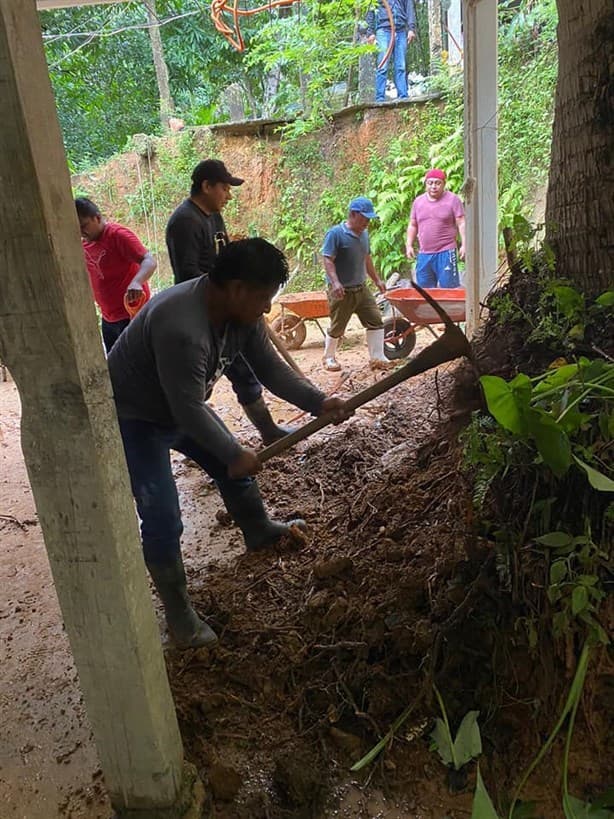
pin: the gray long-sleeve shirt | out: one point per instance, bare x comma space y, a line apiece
166, 361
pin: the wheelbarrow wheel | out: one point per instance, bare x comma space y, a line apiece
291, 329
399, 338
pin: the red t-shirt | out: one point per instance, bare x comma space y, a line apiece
112, 262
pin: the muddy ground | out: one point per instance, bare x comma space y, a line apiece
322, 646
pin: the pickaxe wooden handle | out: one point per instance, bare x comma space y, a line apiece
452, 344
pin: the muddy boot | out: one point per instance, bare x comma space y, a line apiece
260, 416
184, 625
375, 345
330, 351
247, 510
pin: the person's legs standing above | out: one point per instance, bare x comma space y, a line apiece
153, 486
426, 274
400, 68
241, 497
446, 267
382, 38
248, 390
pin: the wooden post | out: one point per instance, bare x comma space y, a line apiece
480, 188
50, 342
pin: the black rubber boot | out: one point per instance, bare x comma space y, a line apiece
184, 625
260, 416
247, 510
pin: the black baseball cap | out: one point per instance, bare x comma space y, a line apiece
214, 171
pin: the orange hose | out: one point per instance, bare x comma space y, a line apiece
393, 35
233, 35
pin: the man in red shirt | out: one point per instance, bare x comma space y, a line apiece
118, 266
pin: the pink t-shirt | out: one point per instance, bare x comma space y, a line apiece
436, 220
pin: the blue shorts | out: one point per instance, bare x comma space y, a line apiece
437, 269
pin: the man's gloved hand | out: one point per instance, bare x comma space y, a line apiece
245, 464
339, 409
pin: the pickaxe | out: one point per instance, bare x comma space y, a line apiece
451, 344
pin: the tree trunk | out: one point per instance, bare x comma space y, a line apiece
435, 35
580, 202
167, 106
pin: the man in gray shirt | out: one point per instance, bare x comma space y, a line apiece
163, 368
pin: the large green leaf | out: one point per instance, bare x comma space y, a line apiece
555, 540
466, 746
557, 377
596, 479
551, 441
468, 743
606, 299
503, 403
483, 807
569, 301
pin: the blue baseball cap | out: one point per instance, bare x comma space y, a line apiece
363, 206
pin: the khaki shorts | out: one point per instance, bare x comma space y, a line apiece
358, 300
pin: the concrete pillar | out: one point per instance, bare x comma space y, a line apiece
50, 341
480, 187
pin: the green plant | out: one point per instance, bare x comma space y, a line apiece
574, 590
550, 410
465, 746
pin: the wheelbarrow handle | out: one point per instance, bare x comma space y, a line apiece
452, 344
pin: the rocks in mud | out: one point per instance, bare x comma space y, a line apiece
396, 457
224, 781
298, 780
347, 742
333, 568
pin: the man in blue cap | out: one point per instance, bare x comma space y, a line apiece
347, 261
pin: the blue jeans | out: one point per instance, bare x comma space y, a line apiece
147, 447
437, 269
246, 386
397, 58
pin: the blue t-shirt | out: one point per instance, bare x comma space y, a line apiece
349, 252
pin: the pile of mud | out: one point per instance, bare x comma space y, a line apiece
321, 648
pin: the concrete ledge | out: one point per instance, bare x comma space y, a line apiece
262, 127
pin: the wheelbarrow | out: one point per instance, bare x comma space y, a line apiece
296, 309
408, 311
404, 310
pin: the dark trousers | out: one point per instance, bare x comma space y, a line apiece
147, 447
111, 331
246, 386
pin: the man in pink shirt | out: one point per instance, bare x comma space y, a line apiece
118, 266
437, 217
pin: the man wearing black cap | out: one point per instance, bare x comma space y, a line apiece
195, 234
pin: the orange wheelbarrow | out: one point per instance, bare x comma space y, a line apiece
296, 309
407, 312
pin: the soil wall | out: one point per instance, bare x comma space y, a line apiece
141, 187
